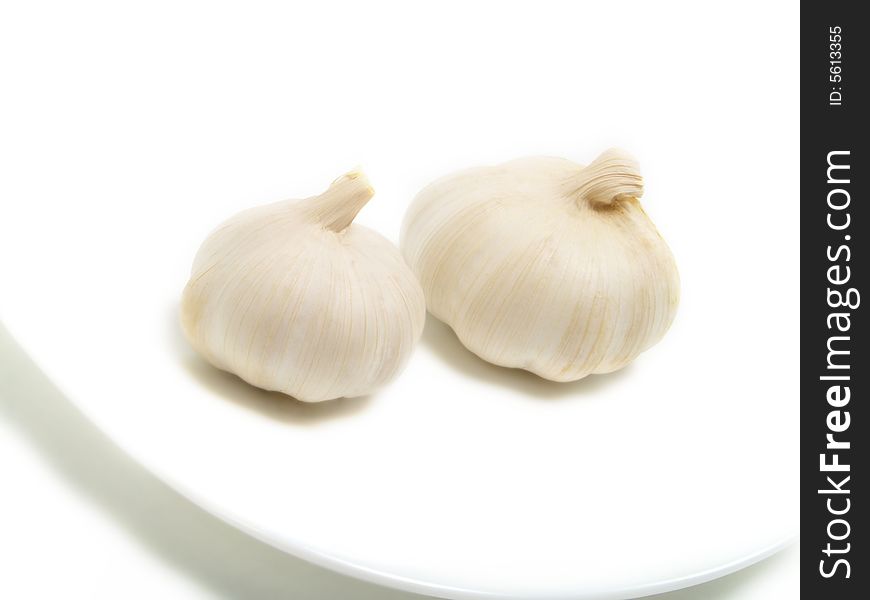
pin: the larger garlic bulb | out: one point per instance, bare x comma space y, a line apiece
292, 297
543, 264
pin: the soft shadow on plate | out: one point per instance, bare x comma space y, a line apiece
269, 404
440, 338
227, 562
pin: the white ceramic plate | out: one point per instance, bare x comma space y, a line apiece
461, 479
124, 145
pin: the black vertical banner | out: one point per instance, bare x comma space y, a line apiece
835, 370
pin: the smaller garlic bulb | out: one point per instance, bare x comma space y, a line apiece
292, 297
543, 264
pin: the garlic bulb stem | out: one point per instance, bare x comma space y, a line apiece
611, 177
337, 207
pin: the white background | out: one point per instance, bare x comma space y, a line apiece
214, 100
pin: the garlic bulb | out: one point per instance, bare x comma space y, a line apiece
292, 297
545, 265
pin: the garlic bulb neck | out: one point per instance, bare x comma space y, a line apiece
613, 176
337, 207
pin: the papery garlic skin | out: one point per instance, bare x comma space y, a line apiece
543, 264
292, 297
